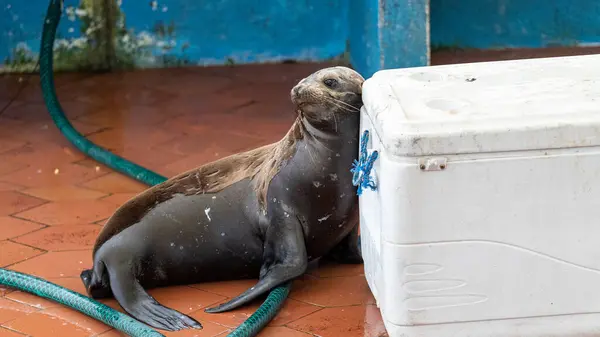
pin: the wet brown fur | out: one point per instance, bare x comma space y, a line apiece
260, 164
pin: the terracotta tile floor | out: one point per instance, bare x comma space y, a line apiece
53, 200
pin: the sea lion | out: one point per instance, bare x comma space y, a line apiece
264, 213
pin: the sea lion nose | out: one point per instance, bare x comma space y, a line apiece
296, 90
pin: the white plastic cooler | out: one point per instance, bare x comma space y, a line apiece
486, 216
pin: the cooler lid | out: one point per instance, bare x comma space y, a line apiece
544, 103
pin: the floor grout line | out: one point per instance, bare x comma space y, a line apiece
15, 214
8, 266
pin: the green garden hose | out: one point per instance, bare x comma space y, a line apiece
83, 304
31, 284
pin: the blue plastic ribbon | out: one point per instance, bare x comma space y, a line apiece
361, 168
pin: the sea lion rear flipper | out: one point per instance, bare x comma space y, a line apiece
285, 259
143, 307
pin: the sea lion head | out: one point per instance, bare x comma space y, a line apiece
328, 94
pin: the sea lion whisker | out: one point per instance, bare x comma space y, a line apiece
334, 120
311, 155
339, 106
346, 104
342, 107
212, 174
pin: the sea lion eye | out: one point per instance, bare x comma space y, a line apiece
330, 83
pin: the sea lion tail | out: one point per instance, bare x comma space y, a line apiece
96, 281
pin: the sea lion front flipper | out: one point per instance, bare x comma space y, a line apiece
284, 259
143, 307
348, 250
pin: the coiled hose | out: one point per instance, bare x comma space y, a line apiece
34, 285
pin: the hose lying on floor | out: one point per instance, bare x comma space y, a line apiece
31, 284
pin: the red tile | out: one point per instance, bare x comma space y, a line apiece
119, 138
198, 159
74, 109
43, 131
63, 193
213, 139
332, 292
112, 333
74, 212
226, 288
338, 270
41, 155
32, 91
9, 333
198, 105
355, 321
185, 299
10, 310
31, 300
150, 158
12, 202
209, 329
4, 290
124, 96
14, 252
12, 227
282, 332
9, 187
72, 283
290, 311
115, 183
56, 264
59, 238
93, 164
57, 322
37, 111
37, 176
187, 84
9, 166
7, 144
119, 199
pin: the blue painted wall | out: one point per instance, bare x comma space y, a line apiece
20, 26
196, 31
388, 34
514, 23
248, 30
365, 53
379, 33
